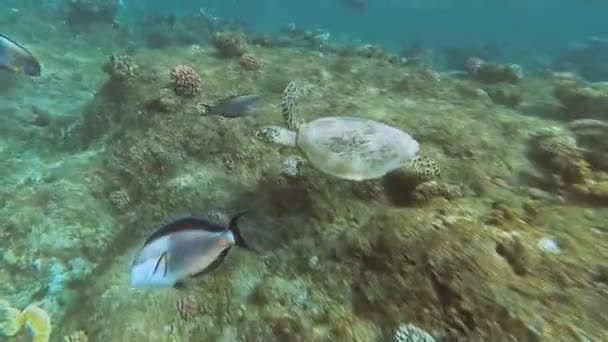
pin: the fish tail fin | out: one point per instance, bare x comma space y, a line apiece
206, 109
236, 232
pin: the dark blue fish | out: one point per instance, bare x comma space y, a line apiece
186, 248
15, 58
235, 106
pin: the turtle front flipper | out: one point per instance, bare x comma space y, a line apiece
277, 135
423, 168
288, 106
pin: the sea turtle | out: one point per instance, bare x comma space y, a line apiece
346, 147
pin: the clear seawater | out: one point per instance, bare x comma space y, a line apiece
508, 98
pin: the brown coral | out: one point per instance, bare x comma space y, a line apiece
185, 81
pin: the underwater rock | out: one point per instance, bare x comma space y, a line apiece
579, 99
121, 101
249, 62
493, 73
592, 137
505, 94
431, 189
510, 246
500, 215
597, 191
559, 155
229, 44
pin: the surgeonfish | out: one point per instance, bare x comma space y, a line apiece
235, 106
188, 247
15, 58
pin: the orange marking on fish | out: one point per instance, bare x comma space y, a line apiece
223, 242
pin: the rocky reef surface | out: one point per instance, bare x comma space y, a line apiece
510, 243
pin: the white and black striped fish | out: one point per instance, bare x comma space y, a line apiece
15, 58
185, 248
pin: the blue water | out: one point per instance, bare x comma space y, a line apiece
487, 222
546, 25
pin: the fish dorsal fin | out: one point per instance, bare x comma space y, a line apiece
185, 223
8, 39
214, 265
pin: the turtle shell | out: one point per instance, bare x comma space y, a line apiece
355, 148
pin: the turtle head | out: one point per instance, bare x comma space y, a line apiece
288, 106
276, 135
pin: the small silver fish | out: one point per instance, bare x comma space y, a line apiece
235, 106
185, 248
15, 58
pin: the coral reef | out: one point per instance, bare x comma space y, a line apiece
185, 81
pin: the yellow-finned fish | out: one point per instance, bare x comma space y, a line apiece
15, 58
185, 248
